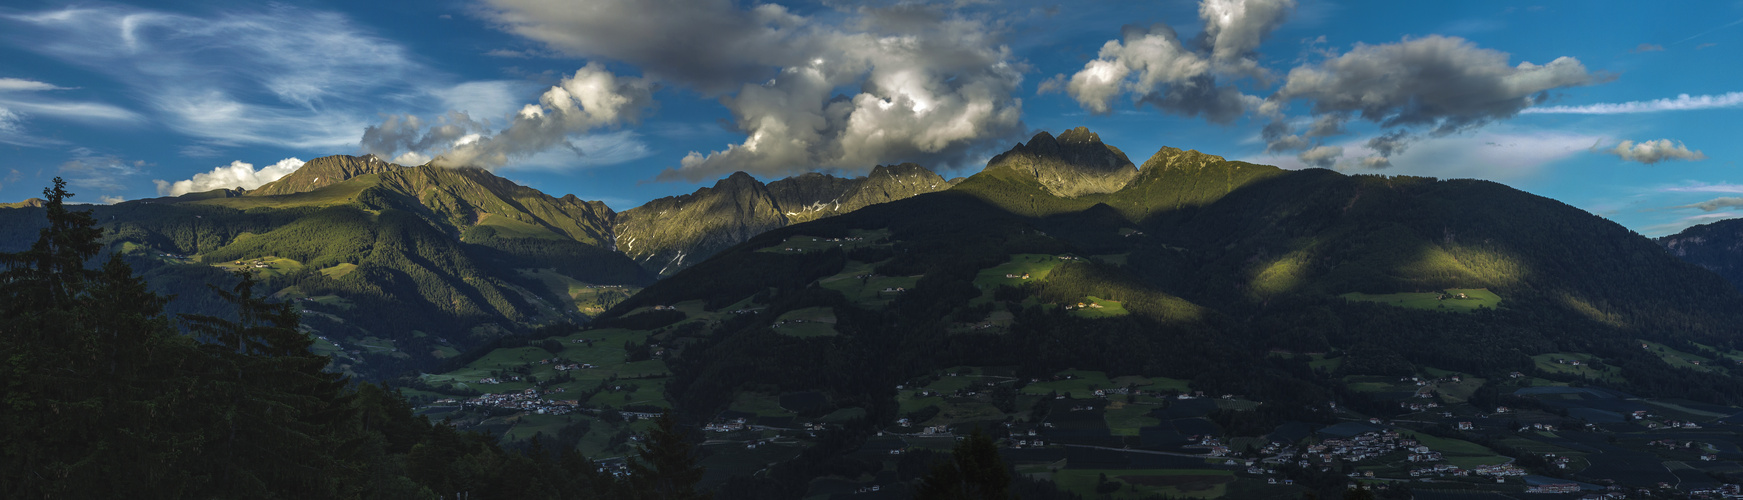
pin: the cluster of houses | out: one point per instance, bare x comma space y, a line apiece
1499, 472
1418, 406
1554, 488
526, 400
1361, 447
1082, 305
258, 264
726, 425
1724, 491
1211, 443
1016, 276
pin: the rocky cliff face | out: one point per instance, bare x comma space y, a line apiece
325, 171
1074, 164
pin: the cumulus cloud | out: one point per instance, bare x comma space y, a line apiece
1322, 156
1500, 153
1235, 28
712, 45
1650, 152
591, 98
1717, 204
1443, 84
237, 174
1154, 66
1280, 137
844, 90
1390, 143
1683, 102
1446, 83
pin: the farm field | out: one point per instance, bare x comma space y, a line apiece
1475, 298
275, 266
807, 322
1096, 307
1033, 264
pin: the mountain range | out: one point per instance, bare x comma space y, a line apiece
1028, 298
384, 254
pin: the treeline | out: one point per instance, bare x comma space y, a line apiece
105, 398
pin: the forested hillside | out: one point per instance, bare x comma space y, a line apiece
1717, 247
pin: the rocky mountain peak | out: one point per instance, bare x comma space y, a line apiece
325, 171
1073, 164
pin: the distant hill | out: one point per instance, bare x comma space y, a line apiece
1716, 246
28, 203
669, 234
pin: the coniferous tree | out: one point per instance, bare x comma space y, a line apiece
666, 467
975, 471
278, 412
91, 370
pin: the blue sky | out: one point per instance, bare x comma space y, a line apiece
625, 101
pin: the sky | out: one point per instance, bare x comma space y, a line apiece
1623, 109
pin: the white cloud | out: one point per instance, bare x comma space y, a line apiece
281, 75
591, 98
1716, 204
412, 158
90, 112
1504, 156
111, 200
1446, 83
22, 85
1702, 187
1443, 84
1650, 152
596, 150
237, 174
1682, 102
1155, 67
486, 100
89, 169
13, 106
860, 87
1322, 156
1685, 222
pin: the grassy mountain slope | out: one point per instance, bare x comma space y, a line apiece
324, 171
1226, 260
669, 234
28, 203
1093, 321
398, 267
